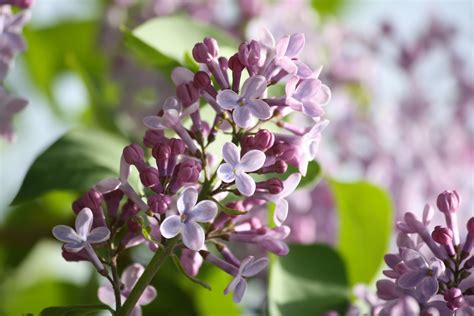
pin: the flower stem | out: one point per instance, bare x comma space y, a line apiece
147, 277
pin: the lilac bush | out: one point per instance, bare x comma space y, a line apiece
190, 200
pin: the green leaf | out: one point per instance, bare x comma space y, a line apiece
157, 41
328, 7
75, 162
309, 281
365, 215
78, 310
180, 267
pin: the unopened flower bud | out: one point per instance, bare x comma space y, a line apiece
202, 80
150, 177
159, 203
442, 235
279, 166
92, 199
454, 298
448, 201
249, 53
191, 261
223, 63
206, 51
273, 186
212, 46
153, 137
234, 63
187, 93
177, 146
133, 154
161, 152
469, 263
470, 225
264, 139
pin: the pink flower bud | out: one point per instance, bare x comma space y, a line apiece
149, 176
159, 203
153, 137
249, 53
206, 51
470, 225
223, 63
191, 261
448, 201
187, 93
161, 152
442, 235
202, 80
133, 154
234, 63
264, 139
454, 298
212, 46
273, 186
177, 146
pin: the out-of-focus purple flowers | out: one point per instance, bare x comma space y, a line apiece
11, 43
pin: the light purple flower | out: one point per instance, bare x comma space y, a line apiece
129, 278
421, 273
307, 96
82, 238
173, 113
273, 240
236, 168
287, 50
247, 104
186, 223
9, 106
248, 268
281, 204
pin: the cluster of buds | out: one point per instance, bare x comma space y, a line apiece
190, 198
431, 273
11, 43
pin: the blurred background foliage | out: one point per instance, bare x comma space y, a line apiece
89, 82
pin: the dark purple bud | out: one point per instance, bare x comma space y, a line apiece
161, 152
235, 64
92, 199
236, 205
469, 263
442, 235
75, 256
273, 186
159, 203
448, 201
470, 225
249, 53
206, 51
284, 151
153, 137
223, 63
133, 154
112, 200
264, 139
212, 46
454, 298
129, 209
150, 177
177, 146
202, 80
187, 93
279, 166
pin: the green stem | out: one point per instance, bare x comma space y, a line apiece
146, 278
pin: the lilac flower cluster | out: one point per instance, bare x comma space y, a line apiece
11, 43
431, 273
191, 198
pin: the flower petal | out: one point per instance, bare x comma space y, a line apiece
204, 211
254, 267
245, 184
84, 222
287, 65
242, 117
312, 108
254, 87
281, 212
106, 294
290, 185
411, 279
259, 109
239, 290
290, 87
227, 99
131, 275
65, 234
108, 185
187, 200
172, 105
231, 153
193, 235
148, 296
295, 45
429, 286
136, 311
74, 246
324, 95
171, 226
98, 235
307, 89
252, 161
181, 75
225, 172
413, 259
231, 287
153, 122
303, 70
282, 46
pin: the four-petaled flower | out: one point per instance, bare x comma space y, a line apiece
287, 50
248, 268
281, 204
129, 278
307, 96
247, 103
186, 223
82, 237
421, 273
235, 168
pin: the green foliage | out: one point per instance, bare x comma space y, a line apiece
328, 7
365, 215
80, 310
157, 42
309, 281
75, 162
